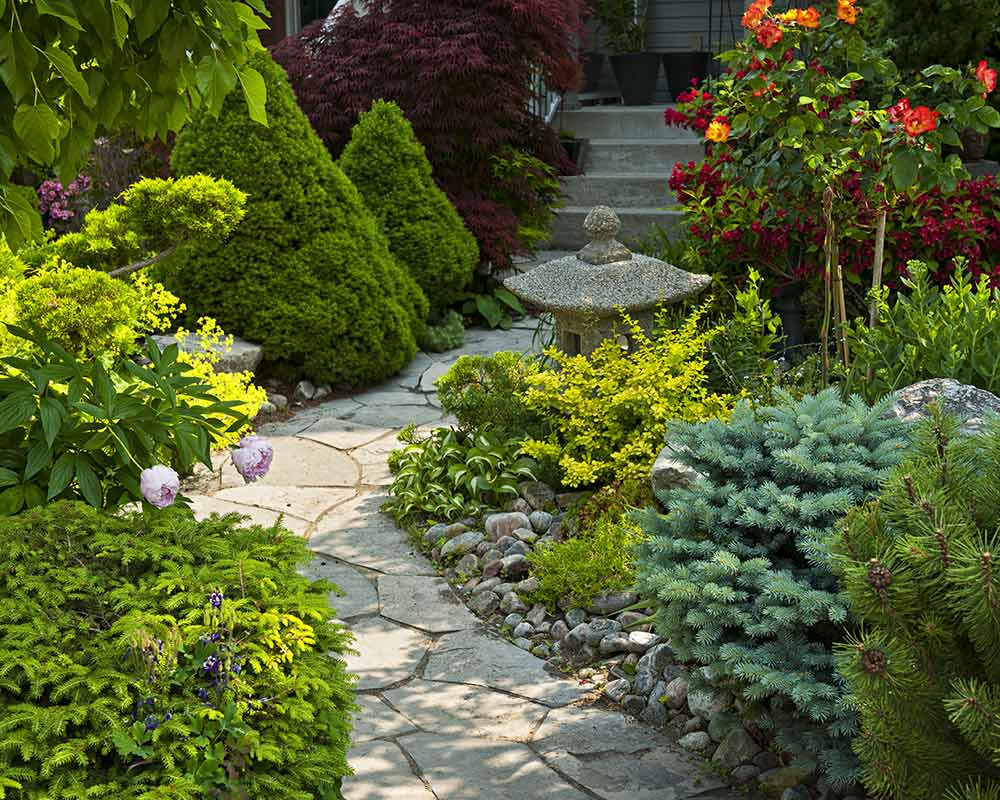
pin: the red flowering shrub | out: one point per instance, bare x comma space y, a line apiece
744, 227
461, 72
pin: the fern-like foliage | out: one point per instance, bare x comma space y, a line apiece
920, 568
740, 568
151, 656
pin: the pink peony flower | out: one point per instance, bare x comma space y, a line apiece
252, 458
159, 485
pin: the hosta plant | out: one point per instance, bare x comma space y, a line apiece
77, 430
449, 474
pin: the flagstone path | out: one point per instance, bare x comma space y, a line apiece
449, 711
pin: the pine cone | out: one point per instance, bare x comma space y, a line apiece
879, 575
874, 662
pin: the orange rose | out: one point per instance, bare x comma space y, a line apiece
846, 11
919, 120
809, 18
769, 34
986, 76
806, 18
755, 13
718, 130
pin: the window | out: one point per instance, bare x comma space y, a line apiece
315, 9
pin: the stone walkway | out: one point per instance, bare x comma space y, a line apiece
449, 710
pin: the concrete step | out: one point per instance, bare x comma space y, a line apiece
640, 156
568, 233
617, 189
621, 122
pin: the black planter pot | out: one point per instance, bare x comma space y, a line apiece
636, 74
682, 68
574, 149
593, 66
788, 305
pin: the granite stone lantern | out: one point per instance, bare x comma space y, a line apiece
588, 292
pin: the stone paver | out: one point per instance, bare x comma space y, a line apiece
381, 772
425, 603
357, 594
447, 710
620, 759
375, 719
305, 503
470, 768
456, 709
206, 506
342, 434
485, 660
298, 462
387, 653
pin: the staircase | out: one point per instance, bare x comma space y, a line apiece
627, 164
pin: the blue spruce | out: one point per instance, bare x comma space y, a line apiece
740, 566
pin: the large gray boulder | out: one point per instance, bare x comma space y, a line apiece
969, 403
669, 469
242, 357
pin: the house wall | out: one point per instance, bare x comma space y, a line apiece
684, 25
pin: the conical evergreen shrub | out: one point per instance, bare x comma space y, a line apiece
739, 568
308, 274
389, 167
921, 568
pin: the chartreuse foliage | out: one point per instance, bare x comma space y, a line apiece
919, 565
389, 167
146, 657
308, 274
740, 566
70, 71
608, 412
930, 331
152, 216
77, 430
448, 474
598, 559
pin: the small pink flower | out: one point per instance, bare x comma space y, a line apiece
252, 458
159, 485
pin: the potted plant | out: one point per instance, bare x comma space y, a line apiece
685, 67
573, 146
635, 69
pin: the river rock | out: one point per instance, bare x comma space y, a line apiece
500, 525
461, 544
540, 521
510, 602
538, 494
738, 747
608, 603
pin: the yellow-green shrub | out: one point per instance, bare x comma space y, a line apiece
86, 311
599, 559
608, 412
224, 385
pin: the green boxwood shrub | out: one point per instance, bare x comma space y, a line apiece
388, 165
149, 656
740, 570
484, 394
308, 274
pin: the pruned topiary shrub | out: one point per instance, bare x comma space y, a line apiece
308, 274
148, 656
739, 568
389, 167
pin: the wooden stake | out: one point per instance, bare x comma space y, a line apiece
873, 319
842, 314
828, 245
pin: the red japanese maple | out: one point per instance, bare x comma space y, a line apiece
461, 71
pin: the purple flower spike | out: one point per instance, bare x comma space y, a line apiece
253, 457
216, 598
159, 485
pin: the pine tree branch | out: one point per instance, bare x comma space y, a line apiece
135, 266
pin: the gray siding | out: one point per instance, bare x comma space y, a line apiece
682, 25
